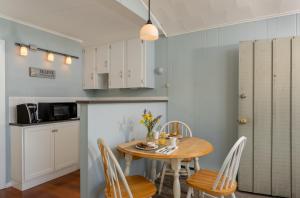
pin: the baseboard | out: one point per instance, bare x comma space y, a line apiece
7, 185
39, 180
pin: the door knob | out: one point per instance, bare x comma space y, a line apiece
243, 96
242, 121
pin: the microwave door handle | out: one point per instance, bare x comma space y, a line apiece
29, 114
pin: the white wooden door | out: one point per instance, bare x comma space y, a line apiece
117, 63
135, 63
281, 152
66, 145
89, 81
246, 114
38, 151
2, 117
295, 117
102, 59
262, 116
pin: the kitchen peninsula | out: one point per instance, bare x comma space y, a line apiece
117, 121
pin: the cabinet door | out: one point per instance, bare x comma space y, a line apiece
38, 152
116, 74
66, 145
134, 66
102, 59
89, 81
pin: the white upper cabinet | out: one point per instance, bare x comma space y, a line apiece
123, 64
117, 64
134, 63
103, 59
89, 81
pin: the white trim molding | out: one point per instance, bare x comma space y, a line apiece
40, 28
2, 116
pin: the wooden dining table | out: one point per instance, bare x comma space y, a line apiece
188, 147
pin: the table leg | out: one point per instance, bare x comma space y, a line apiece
128, 159
153, 170
176, 164
197, 166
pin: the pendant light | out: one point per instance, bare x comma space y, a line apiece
149, 32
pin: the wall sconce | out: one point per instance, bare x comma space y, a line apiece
23, 51
50, 57
68, 60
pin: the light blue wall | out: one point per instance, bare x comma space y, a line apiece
203, 77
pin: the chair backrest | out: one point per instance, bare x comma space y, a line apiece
177, 126
114, 177
227, 174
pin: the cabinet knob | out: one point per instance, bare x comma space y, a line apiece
105, 63
92, 76
54, 130
121, 74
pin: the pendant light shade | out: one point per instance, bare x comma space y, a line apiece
149, 32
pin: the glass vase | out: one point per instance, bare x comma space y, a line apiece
150, 136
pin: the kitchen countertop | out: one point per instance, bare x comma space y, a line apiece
124, 100
42, 123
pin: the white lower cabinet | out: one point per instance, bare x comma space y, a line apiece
64, 149
38, 152
43, 152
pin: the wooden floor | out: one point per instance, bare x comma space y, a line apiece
69, 187
63, 187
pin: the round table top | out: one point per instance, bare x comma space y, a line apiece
188, 147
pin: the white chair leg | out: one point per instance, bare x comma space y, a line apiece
189, 193
233, 195
163, 172
187, 167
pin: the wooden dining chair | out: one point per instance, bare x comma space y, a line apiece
179, 128
119, 186
222, 183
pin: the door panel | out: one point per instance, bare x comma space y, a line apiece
281, 152
102, 59
117, 62
296, 117
39, 155
135, 63
246, 112
262, 116
89, 68
66, 145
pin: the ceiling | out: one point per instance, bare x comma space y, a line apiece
92, 21
101, 21
182, 16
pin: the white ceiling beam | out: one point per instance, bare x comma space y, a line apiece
141, 10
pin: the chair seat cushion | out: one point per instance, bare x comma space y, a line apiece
204, 180
140, 188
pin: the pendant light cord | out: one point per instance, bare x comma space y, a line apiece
149, 20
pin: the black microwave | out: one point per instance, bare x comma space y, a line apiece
56, 111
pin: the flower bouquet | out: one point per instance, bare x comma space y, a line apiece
149, 121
